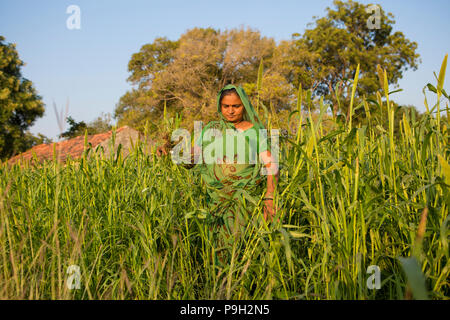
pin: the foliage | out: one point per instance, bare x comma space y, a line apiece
340, 40
99, 125
20, 105
102, 123
354, 196
75, 129
185, 75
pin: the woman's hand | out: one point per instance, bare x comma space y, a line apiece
269, 210
161, 151
167, 146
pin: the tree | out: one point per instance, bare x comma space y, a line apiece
184, 76
141, 102
330, 52
20, 105
31, 140
40, 139
76, 129
99, 125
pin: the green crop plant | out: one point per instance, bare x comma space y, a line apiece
350, 195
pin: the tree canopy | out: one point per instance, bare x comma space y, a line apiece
99, 125
340, 41
185, 75
20, 105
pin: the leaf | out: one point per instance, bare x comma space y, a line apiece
445, 169
247, 196
335, 166
441, 77
351, 135
373, 101
445, 94
431, 88
288, 251
291, 114
331, 135
266, 113
416, 279
4, 93
398, 90
119, 148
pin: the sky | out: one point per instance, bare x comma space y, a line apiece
88, 66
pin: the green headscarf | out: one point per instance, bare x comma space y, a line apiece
250, 113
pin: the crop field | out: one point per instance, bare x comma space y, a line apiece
352, 197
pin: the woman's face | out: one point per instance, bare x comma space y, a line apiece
232, 108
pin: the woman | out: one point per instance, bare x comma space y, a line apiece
234, 188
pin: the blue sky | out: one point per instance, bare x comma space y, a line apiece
89, 66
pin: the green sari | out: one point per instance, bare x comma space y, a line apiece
233, 188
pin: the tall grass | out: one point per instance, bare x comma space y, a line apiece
350, 198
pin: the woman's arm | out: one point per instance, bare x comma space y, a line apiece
195, 152
272, 179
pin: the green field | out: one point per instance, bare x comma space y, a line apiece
350, 195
